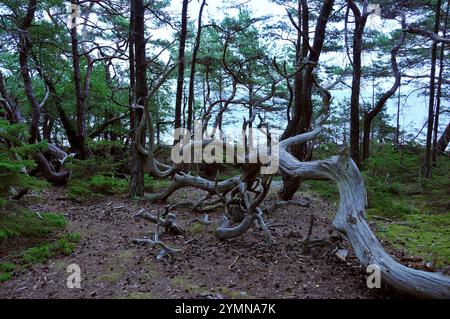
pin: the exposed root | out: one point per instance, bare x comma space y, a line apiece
169, 223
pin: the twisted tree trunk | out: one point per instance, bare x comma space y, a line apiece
444, 140
302, 117
350, 220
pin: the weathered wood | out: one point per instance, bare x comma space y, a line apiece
350, 220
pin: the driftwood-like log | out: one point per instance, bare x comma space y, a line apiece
350, 220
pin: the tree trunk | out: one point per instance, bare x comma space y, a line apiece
426, 166
360, 23
193, 64
181, 65
80, 95
24, 48
301, 121
439, 89
444, 140
397, 127
350, 220
140, 71
370, 115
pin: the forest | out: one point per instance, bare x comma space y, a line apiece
242, 149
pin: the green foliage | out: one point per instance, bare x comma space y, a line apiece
152, 185
107, 185
40, 254
98, 185
426, 236
27, 224
33, 233
418, 208
13, 160
6, 271
88, 168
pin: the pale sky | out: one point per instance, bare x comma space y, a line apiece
414, 109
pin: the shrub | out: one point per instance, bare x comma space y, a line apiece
40, 254
28, 224
6, 271
98, 185
13, 160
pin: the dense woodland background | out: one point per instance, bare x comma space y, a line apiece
88, 104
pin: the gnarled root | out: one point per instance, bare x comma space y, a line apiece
169, 223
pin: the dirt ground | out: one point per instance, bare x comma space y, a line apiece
114, 267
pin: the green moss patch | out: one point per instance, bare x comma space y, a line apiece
425, 236
29, 238
116, 267
28, 224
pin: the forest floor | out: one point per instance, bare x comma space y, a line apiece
114, 267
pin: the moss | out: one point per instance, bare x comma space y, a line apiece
35, 233
97, 186
324, 189
187, 285
116, 267
197, 229
6, 271
28, 224
40, 254
425, 236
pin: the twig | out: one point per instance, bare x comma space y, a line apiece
234, 262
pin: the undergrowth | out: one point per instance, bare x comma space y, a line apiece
418, 209
27, 238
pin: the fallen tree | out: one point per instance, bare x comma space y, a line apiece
242, 199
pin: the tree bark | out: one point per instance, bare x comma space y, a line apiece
444, 140
360, 23
426, 166
140, 71
301, 121
439, 89
81, 96
25, 46
181, 65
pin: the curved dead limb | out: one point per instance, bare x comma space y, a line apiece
60, 154
262, 225
227, 232
155, 241
252, 213
182, 180
152, 165
169, 223
350, 218
49, 171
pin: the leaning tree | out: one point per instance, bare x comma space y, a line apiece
242, 197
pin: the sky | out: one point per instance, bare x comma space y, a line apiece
413, 110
